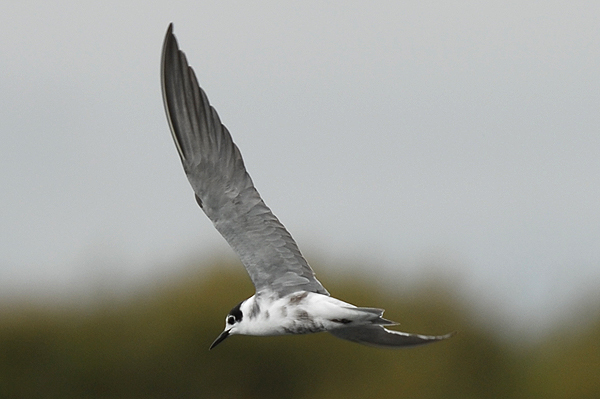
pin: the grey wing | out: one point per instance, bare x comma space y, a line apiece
376, 335
215, 169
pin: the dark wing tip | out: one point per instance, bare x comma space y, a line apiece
168, 43
171, 60
378, 336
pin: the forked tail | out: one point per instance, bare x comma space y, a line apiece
375, 316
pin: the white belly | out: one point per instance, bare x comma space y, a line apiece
300, 313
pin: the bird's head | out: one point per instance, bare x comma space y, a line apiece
232, 322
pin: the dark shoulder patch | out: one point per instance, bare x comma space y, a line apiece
236, 312
255, 311
199, 201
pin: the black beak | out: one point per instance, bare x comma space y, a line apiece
220, 339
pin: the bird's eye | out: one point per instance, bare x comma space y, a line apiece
230, 320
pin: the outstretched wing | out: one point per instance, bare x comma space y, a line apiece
215, 169
376, 335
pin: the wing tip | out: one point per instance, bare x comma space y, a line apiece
380, 337
170, 46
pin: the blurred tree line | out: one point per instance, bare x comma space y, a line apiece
154, 344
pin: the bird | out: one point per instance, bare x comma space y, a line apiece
288, 299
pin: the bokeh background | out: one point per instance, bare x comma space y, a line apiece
438, 159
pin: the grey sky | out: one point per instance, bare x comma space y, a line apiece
460, 135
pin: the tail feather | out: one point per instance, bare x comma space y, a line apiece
378, 319
375, 311
374, 335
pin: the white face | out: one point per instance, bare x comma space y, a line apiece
233, 318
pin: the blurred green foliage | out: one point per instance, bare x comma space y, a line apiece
154, 344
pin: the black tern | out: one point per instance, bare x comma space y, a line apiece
289, 299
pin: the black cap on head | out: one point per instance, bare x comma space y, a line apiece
236, 311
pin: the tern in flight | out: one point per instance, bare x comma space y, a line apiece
289, 299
